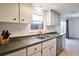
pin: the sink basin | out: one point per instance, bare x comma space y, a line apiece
42, 37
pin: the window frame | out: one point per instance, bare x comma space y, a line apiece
42, 22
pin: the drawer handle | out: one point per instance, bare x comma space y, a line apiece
14, 19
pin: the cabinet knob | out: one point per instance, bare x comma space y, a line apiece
35, 48
22, 19
49, 48
14, 19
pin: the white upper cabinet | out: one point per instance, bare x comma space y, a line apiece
9, 12
14, 12
25, 13
48, 18
52, 18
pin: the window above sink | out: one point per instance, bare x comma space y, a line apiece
37, 19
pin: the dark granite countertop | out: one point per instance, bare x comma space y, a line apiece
23, 42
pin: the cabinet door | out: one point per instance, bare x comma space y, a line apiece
49, 51
25, 13
18, 53
52, 49
54, 18
46, 51
9, 12
48, 18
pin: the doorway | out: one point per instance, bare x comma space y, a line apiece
67, 29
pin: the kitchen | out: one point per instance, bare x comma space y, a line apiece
34, 29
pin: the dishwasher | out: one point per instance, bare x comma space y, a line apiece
59, 46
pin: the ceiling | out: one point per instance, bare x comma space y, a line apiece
66, 9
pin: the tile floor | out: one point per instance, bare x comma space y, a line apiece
72, 48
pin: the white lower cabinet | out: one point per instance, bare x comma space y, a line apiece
52, 50
49, 51
45, 52
34, 50
47, 48
18, 53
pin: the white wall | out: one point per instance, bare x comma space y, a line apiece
63, 25
15, 29
74, 27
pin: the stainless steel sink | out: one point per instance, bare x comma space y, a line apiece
43, 37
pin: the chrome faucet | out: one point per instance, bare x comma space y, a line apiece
40, 33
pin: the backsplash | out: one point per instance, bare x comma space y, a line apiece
17, 29
53, 28
50, 27
14, 28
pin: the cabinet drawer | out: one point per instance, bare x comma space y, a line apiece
33, 49
47, 43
